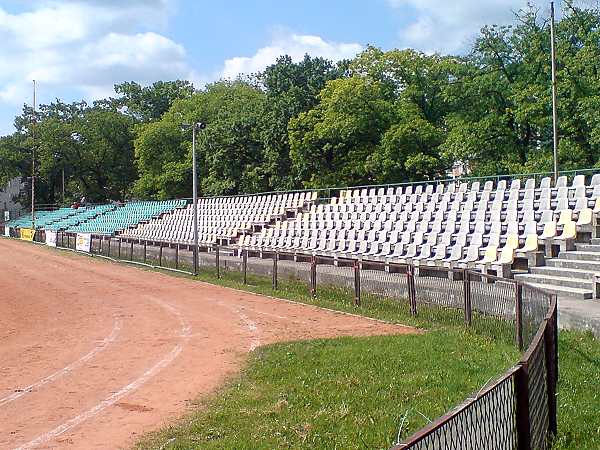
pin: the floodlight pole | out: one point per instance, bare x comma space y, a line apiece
554, 102
195, 198
33, 161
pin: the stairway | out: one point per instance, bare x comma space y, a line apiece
571, 274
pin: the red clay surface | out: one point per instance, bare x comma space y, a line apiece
93, 354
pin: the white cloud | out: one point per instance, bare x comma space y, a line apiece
85, 47
451, 26
294, 45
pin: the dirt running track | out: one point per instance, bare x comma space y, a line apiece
94, 353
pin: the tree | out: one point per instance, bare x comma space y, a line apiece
291, 88
501, 120
332, 144
229, 149
94, 146
149, 103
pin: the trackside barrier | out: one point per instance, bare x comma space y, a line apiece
515, 411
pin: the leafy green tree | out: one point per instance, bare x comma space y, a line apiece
291, 88
501, 119
149, 103
332, 143
229, 149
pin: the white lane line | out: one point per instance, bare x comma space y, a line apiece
252, 328
67, 369
289, 319
249, 324
184, 335
109, 401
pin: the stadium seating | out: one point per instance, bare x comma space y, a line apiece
452, 225
505, 226
43, 219
80, 215
221, 218
118, 218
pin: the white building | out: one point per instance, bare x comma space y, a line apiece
7, 196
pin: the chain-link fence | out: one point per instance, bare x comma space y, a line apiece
516, 411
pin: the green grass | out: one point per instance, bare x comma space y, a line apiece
578, 392
359, 392
376, 306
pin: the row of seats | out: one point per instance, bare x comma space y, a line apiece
476, 186
58, 218
446, 225
122, 217
221, 217
478, 224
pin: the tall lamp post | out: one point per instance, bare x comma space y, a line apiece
197, 126
33, 160
554, 102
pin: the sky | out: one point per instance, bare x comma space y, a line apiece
79, 49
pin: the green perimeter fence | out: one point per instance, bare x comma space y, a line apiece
515, 411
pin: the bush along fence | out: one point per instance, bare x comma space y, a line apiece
516, 411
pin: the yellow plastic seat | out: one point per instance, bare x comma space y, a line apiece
585, 217
490, 255
531, 243
549, 230
507, 255
512, 241
569, 231
566, 216
597, 206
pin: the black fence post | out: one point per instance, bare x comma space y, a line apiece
275, 258
245, 265
551, 347
218, 260
145, 252
522, 407
119, 252
519, 314
177, 256
412, 295
160, 250
109, 242
356, 268
313, 276
131, 251
467, 295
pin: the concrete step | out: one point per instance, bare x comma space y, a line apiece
552, 280
581, 256
587, 247
595, 241
581, 294
581, 274
592, 266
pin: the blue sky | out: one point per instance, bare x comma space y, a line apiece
80, 48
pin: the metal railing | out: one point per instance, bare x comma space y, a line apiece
516, 411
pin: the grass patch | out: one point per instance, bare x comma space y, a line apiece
578, 392
340, 393
390, 309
